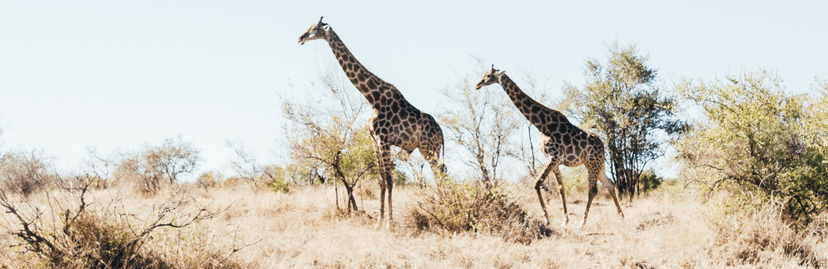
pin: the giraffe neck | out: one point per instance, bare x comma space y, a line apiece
367, 83
544, 118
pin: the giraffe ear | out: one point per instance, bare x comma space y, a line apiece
501, 72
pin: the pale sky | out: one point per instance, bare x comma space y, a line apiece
115, 75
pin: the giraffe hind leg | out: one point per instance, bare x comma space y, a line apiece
559, 180
431, 153
611, 188
593, 190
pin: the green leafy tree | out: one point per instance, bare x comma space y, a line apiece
622, 103
760, 142
330, 134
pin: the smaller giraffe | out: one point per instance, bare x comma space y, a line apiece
562, 142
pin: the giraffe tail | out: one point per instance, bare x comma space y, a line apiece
443, 149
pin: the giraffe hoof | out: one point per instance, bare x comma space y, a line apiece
565, 222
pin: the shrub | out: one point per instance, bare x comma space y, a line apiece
450, 207
23, 172
156, 166
68, 230
278, 185
760, 236
760, 143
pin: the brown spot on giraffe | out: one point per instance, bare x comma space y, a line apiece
394, 121
563, 143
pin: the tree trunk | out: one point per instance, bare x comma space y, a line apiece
348, 187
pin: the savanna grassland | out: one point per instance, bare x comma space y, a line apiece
750, 189
255, 228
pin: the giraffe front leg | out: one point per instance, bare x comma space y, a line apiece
385, 181
377, 145
538, 185
382, 203
390, 186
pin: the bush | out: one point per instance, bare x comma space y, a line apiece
24, 172
156, 166
66, 229
278, 185
761, 144
450, 207
760, 236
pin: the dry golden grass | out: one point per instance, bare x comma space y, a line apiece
302, 229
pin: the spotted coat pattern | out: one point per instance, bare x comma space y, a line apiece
393, 122
562, 142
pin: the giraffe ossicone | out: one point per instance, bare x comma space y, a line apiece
393, 122
562, 142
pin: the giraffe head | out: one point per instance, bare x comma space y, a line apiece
316, 31
491, 77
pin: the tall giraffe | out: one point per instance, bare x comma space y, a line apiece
563, 143
394, 121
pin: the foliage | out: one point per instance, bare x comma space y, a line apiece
760, 142
272, 177
623, 104
24, 172
450, 207
209, 179
649, 181
757, 235
157, 165
329, 134
482, 123
70, 230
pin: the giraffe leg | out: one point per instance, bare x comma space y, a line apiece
559, 179
384, 158
390, 186
593, 190
431, 154
611, 188
539, 183
381, 151
382, 203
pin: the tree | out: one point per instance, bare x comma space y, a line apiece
482, 123
329, 133
274, 178
623, 104
760, 142
157, 165
24, 172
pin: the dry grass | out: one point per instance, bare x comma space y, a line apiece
302, 229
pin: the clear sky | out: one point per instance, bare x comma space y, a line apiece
115, 75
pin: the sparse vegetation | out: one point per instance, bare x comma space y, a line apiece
751, 193
156, 166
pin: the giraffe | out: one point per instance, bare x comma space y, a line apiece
563, 143
393, 122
